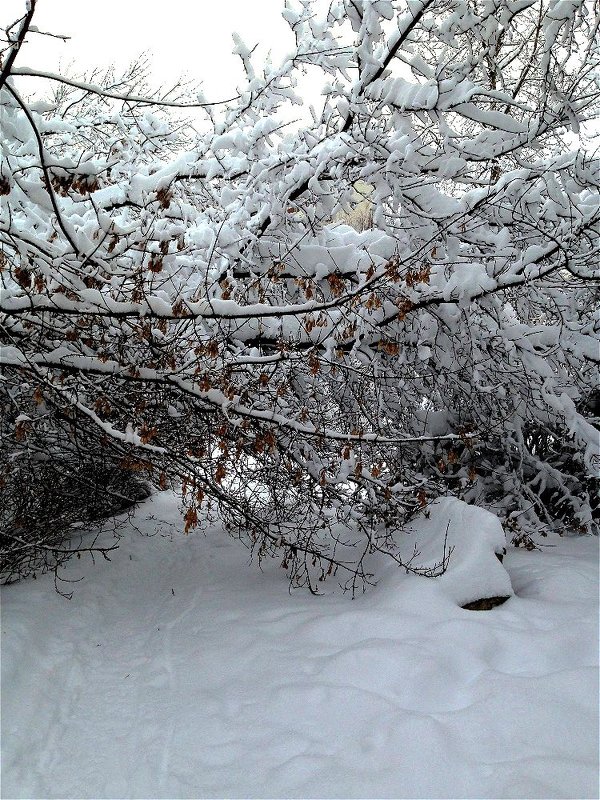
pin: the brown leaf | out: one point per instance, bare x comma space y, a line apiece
191, 519
220, 472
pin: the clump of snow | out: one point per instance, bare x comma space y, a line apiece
178, 671
470, 538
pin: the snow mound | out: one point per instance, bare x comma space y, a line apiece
471, 538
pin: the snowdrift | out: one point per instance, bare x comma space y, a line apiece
179, 671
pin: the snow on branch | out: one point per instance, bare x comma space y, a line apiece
201, 305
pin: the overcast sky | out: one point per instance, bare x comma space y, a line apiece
192, 37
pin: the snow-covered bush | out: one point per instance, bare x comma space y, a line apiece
56, 482
189, 303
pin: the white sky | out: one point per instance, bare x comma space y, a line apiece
191, 37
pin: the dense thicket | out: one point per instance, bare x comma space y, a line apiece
190, 307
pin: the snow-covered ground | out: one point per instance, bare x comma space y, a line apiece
177, 671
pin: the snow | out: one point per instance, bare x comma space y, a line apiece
472, 537
179, 671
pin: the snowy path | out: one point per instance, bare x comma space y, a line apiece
231, 687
